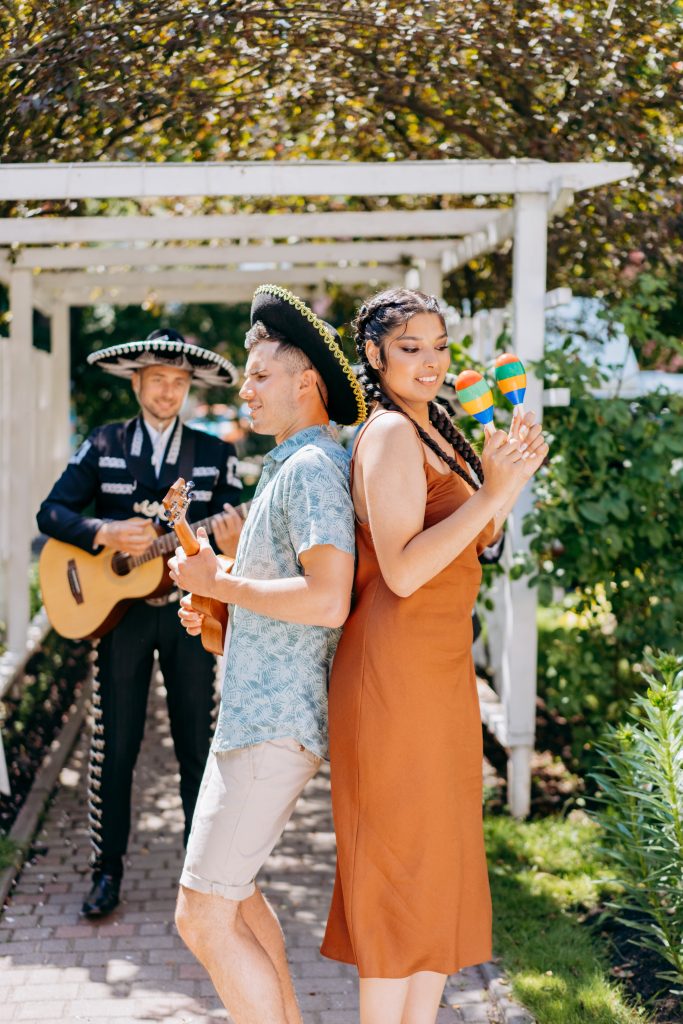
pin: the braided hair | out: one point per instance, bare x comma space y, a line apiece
376, 318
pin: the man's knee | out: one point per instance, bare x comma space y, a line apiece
188, 917
199, 918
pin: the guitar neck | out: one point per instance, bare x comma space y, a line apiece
168, 542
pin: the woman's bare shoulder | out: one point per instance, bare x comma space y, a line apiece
388, 428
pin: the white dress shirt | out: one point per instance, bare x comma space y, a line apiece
159, 439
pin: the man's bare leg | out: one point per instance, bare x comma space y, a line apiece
261, 918
240, 968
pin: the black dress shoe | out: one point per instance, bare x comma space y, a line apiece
103, 897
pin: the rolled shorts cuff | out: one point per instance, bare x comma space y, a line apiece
227, 892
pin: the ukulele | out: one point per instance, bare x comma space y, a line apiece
86, 595
214, 612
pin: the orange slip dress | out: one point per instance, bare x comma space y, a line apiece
411, 891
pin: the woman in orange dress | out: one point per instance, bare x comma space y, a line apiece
411, 899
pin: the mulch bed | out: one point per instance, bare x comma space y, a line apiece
636, 968
34, 713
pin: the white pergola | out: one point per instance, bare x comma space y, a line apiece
51, 263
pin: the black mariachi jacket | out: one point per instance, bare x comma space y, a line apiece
113, 469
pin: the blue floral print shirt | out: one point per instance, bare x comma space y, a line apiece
276, 673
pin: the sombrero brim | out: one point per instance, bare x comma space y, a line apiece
207, 368
284, 312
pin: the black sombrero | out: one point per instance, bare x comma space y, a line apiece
284, 312
166, 348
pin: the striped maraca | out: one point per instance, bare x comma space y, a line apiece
511, 379
475, 397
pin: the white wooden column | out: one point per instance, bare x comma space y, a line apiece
61, 389
518, 675
431, 278
16, 503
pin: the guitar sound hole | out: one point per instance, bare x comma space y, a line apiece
119, 564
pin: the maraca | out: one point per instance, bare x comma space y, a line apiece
511, 379
475, 397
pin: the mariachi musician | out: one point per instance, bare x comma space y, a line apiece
123, 471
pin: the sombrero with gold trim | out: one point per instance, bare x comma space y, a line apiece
166, 348
286, 313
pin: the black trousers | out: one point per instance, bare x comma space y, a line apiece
124, 663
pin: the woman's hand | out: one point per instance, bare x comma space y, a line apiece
504, 466
191, 620
533, 445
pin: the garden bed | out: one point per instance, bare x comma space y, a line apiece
549, 882
569, 959
34, 712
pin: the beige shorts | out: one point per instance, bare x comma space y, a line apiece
246, 798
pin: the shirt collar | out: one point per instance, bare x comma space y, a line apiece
306, 436
156, 435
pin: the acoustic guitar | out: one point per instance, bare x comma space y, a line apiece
215, 620
85, 595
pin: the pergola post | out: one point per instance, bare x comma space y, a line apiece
431, 278
518, 675
61, 386
16, 496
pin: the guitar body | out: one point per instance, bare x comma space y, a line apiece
84, 596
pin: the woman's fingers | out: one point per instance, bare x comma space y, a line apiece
495, 440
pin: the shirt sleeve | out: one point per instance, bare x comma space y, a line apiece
60, 514
318, 508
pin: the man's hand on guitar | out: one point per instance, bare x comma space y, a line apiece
191, 620
133, 536
198, 573
227, 530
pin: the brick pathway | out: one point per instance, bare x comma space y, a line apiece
55, 967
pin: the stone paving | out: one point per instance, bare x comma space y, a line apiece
132, 967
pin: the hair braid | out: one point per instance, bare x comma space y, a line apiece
375, 318
439, 418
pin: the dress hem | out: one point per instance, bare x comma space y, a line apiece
407, 973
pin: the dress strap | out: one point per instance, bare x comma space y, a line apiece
367, 423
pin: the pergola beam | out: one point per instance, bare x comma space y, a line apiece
299, 178
340, 224
478, 243
55, 283
47, 258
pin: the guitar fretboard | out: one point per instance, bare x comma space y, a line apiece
168, 541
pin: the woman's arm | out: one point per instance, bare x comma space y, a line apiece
395, 493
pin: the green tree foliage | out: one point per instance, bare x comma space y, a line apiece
366, 79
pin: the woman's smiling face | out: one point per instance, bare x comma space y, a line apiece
414, 359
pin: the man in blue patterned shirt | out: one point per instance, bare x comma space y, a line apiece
289, 594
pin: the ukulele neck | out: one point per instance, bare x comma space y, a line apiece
168, 542
188, 541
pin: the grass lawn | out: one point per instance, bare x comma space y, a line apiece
544, 874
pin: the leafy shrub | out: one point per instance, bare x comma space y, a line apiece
606, 543
641, 812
